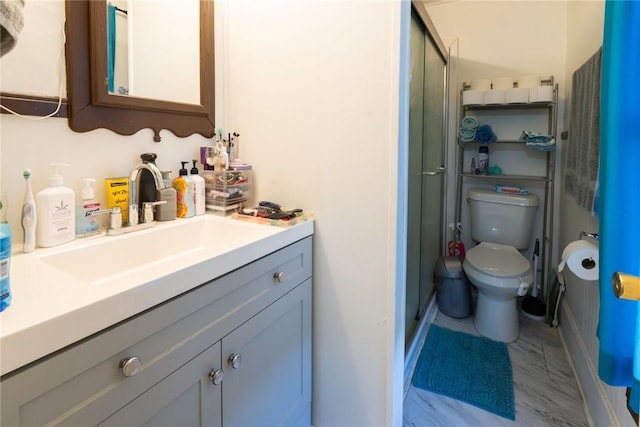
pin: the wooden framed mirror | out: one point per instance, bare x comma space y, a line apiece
92, 105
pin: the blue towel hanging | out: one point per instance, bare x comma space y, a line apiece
619, 195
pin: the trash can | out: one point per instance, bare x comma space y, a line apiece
452, 287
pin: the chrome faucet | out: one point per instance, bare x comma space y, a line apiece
134, 187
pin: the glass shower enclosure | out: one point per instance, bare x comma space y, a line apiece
427, 160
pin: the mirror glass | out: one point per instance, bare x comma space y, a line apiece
164, 77
151, 51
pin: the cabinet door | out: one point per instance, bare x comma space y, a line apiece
187, 397
270, 384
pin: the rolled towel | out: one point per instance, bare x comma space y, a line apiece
11, 21
485, 135
467, 135
470, 123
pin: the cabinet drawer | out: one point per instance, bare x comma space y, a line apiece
83, 384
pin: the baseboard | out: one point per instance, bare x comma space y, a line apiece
598, 408
419, 335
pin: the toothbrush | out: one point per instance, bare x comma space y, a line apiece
28, 215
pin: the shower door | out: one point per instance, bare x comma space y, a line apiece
426, 169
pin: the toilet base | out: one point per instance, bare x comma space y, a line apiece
497, 318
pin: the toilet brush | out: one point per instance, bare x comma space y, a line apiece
532, 306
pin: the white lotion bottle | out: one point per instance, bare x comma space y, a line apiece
86, 223
56, 212
198, 190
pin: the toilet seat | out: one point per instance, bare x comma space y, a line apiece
500, 273
497, 260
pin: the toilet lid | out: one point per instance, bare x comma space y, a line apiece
498, 260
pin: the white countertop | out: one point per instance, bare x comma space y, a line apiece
51, 308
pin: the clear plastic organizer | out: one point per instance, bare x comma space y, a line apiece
227, 190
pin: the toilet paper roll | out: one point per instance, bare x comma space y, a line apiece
581, 258
517, 95
481, 84
494, 96
502, 83
472, 97
541, 94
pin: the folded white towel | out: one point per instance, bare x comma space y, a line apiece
11, 23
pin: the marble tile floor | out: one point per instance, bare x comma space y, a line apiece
545, 389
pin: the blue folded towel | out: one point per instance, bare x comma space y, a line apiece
467, 135
485, 135
470, 123
535, 137
544, 146
538, 141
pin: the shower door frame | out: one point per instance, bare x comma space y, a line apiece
412, 319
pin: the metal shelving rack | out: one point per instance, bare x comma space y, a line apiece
547, 178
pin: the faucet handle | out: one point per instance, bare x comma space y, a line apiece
115, 217
133, 215
147, 210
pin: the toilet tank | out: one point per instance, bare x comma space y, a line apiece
502, 218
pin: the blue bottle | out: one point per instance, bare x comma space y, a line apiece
5, 257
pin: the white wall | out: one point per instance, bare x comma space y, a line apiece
312, 87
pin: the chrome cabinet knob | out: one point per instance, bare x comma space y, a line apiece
235, 360
278, 276
216, 376
130, 366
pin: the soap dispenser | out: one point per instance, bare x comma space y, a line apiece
184, 193
86, 222
56, 211
168, 210
198, 190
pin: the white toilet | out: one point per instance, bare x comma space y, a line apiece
502, 224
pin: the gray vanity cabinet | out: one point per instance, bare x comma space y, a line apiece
184, 398
272, 349
234, 351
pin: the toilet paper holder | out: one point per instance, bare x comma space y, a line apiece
584, 234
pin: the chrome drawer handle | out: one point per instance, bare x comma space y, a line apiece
278, 276
130, 366
216, 376
235, 360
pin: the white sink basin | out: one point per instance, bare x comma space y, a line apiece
182, 242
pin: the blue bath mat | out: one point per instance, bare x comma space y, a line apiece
472, 369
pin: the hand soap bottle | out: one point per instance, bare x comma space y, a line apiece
56, 212
168, 210
198, 190
184, 193
86, 223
